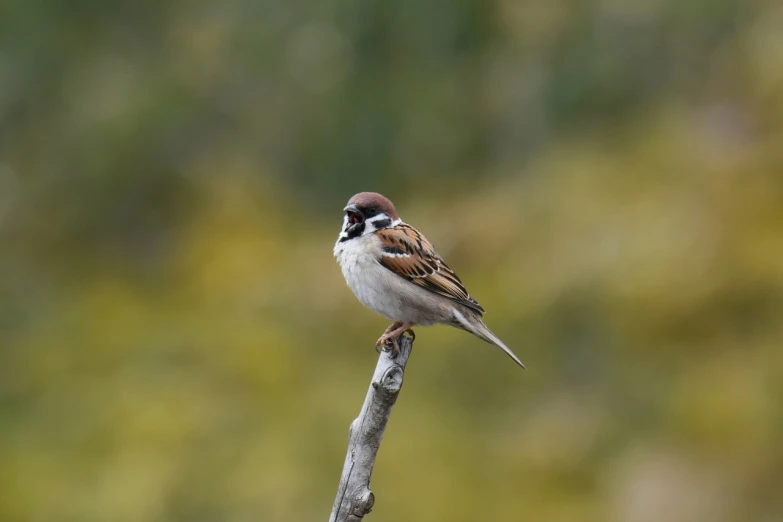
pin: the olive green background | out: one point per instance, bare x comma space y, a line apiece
177, 342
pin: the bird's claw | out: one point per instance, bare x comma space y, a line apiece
387, 344
388, 341
391, 345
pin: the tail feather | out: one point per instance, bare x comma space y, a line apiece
476, 326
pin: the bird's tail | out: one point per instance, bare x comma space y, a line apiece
473, 324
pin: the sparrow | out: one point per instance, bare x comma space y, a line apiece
395, 271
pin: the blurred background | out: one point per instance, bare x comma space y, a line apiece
177, 342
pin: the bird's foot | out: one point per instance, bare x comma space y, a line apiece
388, 341
381, 342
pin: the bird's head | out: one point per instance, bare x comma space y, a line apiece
365, 213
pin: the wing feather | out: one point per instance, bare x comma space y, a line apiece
411, 256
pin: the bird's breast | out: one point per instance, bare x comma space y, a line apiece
376, 287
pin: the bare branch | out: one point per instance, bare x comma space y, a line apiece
354, 498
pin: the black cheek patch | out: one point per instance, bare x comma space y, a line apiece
381, 223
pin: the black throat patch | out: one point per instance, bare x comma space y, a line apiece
356, 231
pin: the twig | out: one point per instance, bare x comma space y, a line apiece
354, 498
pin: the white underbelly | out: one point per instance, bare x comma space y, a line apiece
381, 290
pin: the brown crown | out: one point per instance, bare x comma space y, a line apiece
364, 200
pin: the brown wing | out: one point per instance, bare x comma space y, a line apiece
410, 255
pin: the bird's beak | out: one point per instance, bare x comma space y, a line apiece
354, 216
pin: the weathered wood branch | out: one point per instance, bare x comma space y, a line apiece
354, 498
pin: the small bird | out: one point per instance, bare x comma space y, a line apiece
395, 271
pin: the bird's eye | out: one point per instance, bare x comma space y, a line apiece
371, 211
